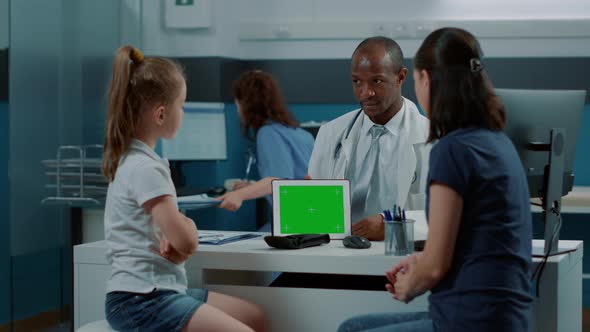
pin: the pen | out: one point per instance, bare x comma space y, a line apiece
388, 220
403, 229
387, 215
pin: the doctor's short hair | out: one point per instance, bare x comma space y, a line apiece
392, 49
461, 94
261, 101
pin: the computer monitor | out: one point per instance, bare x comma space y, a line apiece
530, 117
201, 137
544, 127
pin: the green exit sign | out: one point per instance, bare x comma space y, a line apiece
185, 2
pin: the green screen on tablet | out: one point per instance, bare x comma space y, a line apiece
311, 206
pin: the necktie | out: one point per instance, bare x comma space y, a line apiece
372, 203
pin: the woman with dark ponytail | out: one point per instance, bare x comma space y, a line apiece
477, 258
148, 240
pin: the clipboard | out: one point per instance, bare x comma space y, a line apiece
218, 238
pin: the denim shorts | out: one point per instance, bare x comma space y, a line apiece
160, 310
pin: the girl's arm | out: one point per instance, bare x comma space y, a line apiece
232, 201
424, 271
180, 231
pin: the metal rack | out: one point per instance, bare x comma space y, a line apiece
77, 174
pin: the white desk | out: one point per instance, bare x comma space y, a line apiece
241, 269
92, 222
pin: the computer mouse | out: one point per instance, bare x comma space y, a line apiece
356, 242
215, 191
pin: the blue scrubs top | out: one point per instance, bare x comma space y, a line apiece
282, 151
488, 286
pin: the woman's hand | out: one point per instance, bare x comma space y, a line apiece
240, 184
401, 266
401, 278
231, 201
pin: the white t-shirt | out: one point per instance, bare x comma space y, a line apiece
388, 162
130, 231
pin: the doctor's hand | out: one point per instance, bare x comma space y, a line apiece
231, 201
370, 227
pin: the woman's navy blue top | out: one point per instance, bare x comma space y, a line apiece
488, 287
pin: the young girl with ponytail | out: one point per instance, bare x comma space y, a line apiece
148, 238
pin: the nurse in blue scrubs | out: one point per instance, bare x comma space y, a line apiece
283, 149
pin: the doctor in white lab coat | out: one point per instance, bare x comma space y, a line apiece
342, 145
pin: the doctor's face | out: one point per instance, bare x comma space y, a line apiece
376, 84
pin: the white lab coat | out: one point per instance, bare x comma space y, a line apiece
327, 163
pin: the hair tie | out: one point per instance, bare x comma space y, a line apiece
136, 56
475, 65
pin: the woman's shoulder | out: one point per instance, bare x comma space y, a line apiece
465, 141
465, 135
270, 129
478, 134
270, 132
277, 131
455, 142
275, 128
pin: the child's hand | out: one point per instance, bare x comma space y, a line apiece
231, 201
167, 251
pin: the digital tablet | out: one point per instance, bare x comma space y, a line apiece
311, 207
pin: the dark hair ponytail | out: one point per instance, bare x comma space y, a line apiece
461, 95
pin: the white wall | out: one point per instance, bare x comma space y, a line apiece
352, 20
219, 40
4, 37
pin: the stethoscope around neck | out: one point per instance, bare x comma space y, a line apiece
250, 163
348, 130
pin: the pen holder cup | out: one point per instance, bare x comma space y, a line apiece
399, 237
